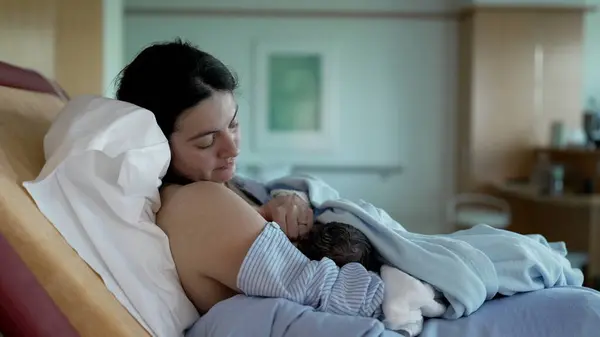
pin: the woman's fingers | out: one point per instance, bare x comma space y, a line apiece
291, 221
292, 213
308, 222
303, 230
278, 216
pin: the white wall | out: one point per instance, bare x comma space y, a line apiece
113, 20
528, 2
397, 90
362, 5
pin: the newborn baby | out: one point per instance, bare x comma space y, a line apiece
337, 241
341, 243
406, 300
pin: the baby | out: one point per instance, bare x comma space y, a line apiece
341, 243
337, 241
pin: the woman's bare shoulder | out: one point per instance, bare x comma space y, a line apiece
181, 193
210, 229
184, 198
198, 194
201, 199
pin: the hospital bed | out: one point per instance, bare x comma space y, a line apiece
46, 289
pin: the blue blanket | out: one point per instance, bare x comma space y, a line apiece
468, 267
556, 312
253, 316
494, 262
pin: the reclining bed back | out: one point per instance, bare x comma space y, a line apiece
45, 287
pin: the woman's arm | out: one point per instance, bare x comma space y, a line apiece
210, 229
231, 243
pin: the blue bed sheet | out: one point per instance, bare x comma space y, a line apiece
556, 312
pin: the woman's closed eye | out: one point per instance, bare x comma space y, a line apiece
206, 141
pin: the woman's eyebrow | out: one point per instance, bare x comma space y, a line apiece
237, 107
202, 134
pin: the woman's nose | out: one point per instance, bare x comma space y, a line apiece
229, 148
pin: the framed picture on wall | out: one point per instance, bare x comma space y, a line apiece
295, 97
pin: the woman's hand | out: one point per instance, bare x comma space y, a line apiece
291, 213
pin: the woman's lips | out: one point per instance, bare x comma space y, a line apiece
227, 166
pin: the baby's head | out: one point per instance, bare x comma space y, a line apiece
341, 243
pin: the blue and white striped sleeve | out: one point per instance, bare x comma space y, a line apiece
273, 267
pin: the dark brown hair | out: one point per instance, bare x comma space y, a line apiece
341, 243
169, 78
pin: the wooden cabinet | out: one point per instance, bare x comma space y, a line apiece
572, 219
27, 34
62, 39
79, 46
519, 70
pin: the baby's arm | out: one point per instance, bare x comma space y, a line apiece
275, 268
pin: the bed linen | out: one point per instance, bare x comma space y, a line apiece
556, 312
484, 262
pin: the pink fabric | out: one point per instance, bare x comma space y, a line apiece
25, 307
21, 78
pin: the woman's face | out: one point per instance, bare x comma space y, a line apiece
205, 142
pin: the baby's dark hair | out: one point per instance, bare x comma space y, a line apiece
341, 243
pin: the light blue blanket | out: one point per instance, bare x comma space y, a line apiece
556, 312
468, 267
243, 316
501, 262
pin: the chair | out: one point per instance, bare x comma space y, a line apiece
470, 209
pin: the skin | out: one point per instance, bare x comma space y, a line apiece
206, 140
210, 228
208, 253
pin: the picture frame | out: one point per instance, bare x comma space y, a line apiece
295, 97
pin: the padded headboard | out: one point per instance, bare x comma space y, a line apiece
20, 78
46, 289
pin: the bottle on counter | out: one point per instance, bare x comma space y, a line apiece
556, 182
539, 174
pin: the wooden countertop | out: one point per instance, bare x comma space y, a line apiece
529, 192
583, 151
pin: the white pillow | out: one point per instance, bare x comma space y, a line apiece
99, 187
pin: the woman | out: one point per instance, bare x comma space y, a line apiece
171, 80
219, 240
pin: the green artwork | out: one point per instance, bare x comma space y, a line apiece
294, 96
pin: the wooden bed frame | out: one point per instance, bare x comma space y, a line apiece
46, 289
